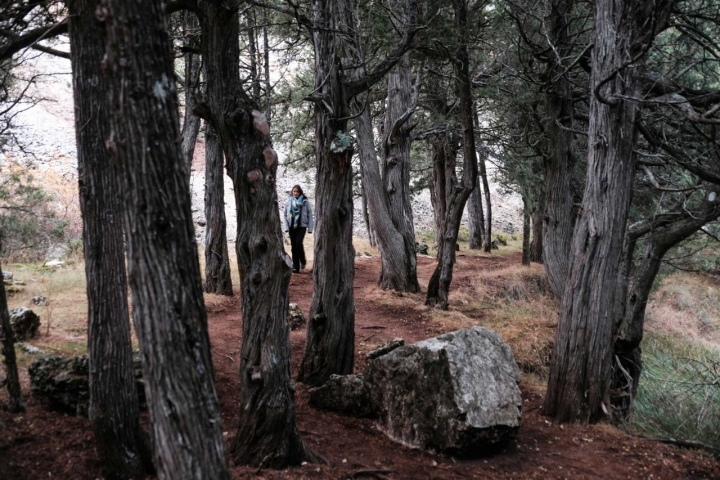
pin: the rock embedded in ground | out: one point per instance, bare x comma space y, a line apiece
345, 394
24, 322
64, 382
296, 319
457, 393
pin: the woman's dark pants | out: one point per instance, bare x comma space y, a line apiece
298, 252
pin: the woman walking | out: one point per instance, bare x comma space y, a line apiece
298, 220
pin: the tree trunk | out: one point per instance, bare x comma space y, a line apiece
536, 246
366, 214
482, 173
217, 260
476, 218
457, 193
191, 123
443, 153
168, 309
526, 233
114, 411
579, 384
558, 212
627, 364
15, 401
267, 435
331, 334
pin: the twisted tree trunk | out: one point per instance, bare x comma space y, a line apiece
456, 193
267, 435
168, 309
536, 246
579, 384
114, 411
218, 278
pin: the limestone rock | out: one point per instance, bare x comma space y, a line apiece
64, 382
7, 275
24, 322
296, 319
457, 393
344, 393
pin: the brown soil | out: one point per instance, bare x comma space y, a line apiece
42, 444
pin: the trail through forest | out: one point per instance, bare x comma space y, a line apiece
42, 444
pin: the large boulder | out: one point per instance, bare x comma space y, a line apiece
24, 322
64, 382
457, 393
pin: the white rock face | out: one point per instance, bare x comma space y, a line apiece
457, 393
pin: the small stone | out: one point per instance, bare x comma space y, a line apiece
40, 301
54, 263
7, 275
344, 393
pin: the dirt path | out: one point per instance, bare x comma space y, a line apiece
44, 444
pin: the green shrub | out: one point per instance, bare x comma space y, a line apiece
679, 392
28, 225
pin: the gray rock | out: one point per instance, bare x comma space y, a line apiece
24, 322
7, 275
457, 393
31, 349
344, 393
385, 348
64, 382
422, 249
40, 301
296, 319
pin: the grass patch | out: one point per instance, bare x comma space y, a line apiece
679, 392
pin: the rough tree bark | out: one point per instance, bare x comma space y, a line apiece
579, 384
536, 246
267, 435
633, 296
331, 337
218, 278
114, 411
15, 401
559, 163
457, 193
475, 217
168, 309
191, 122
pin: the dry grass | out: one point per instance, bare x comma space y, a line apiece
64, 318
514, 301
686, 306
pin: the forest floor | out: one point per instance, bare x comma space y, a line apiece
492, 291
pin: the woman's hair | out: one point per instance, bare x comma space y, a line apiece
299, 188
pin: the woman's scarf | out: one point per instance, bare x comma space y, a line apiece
295, 206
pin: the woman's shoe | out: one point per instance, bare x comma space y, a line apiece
302, 266
295, 270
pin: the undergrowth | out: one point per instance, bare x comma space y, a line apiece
679, 392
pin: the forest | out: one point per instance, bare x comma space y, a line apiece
583, 344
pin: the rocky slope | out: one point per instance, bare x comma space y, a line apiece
46, 133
